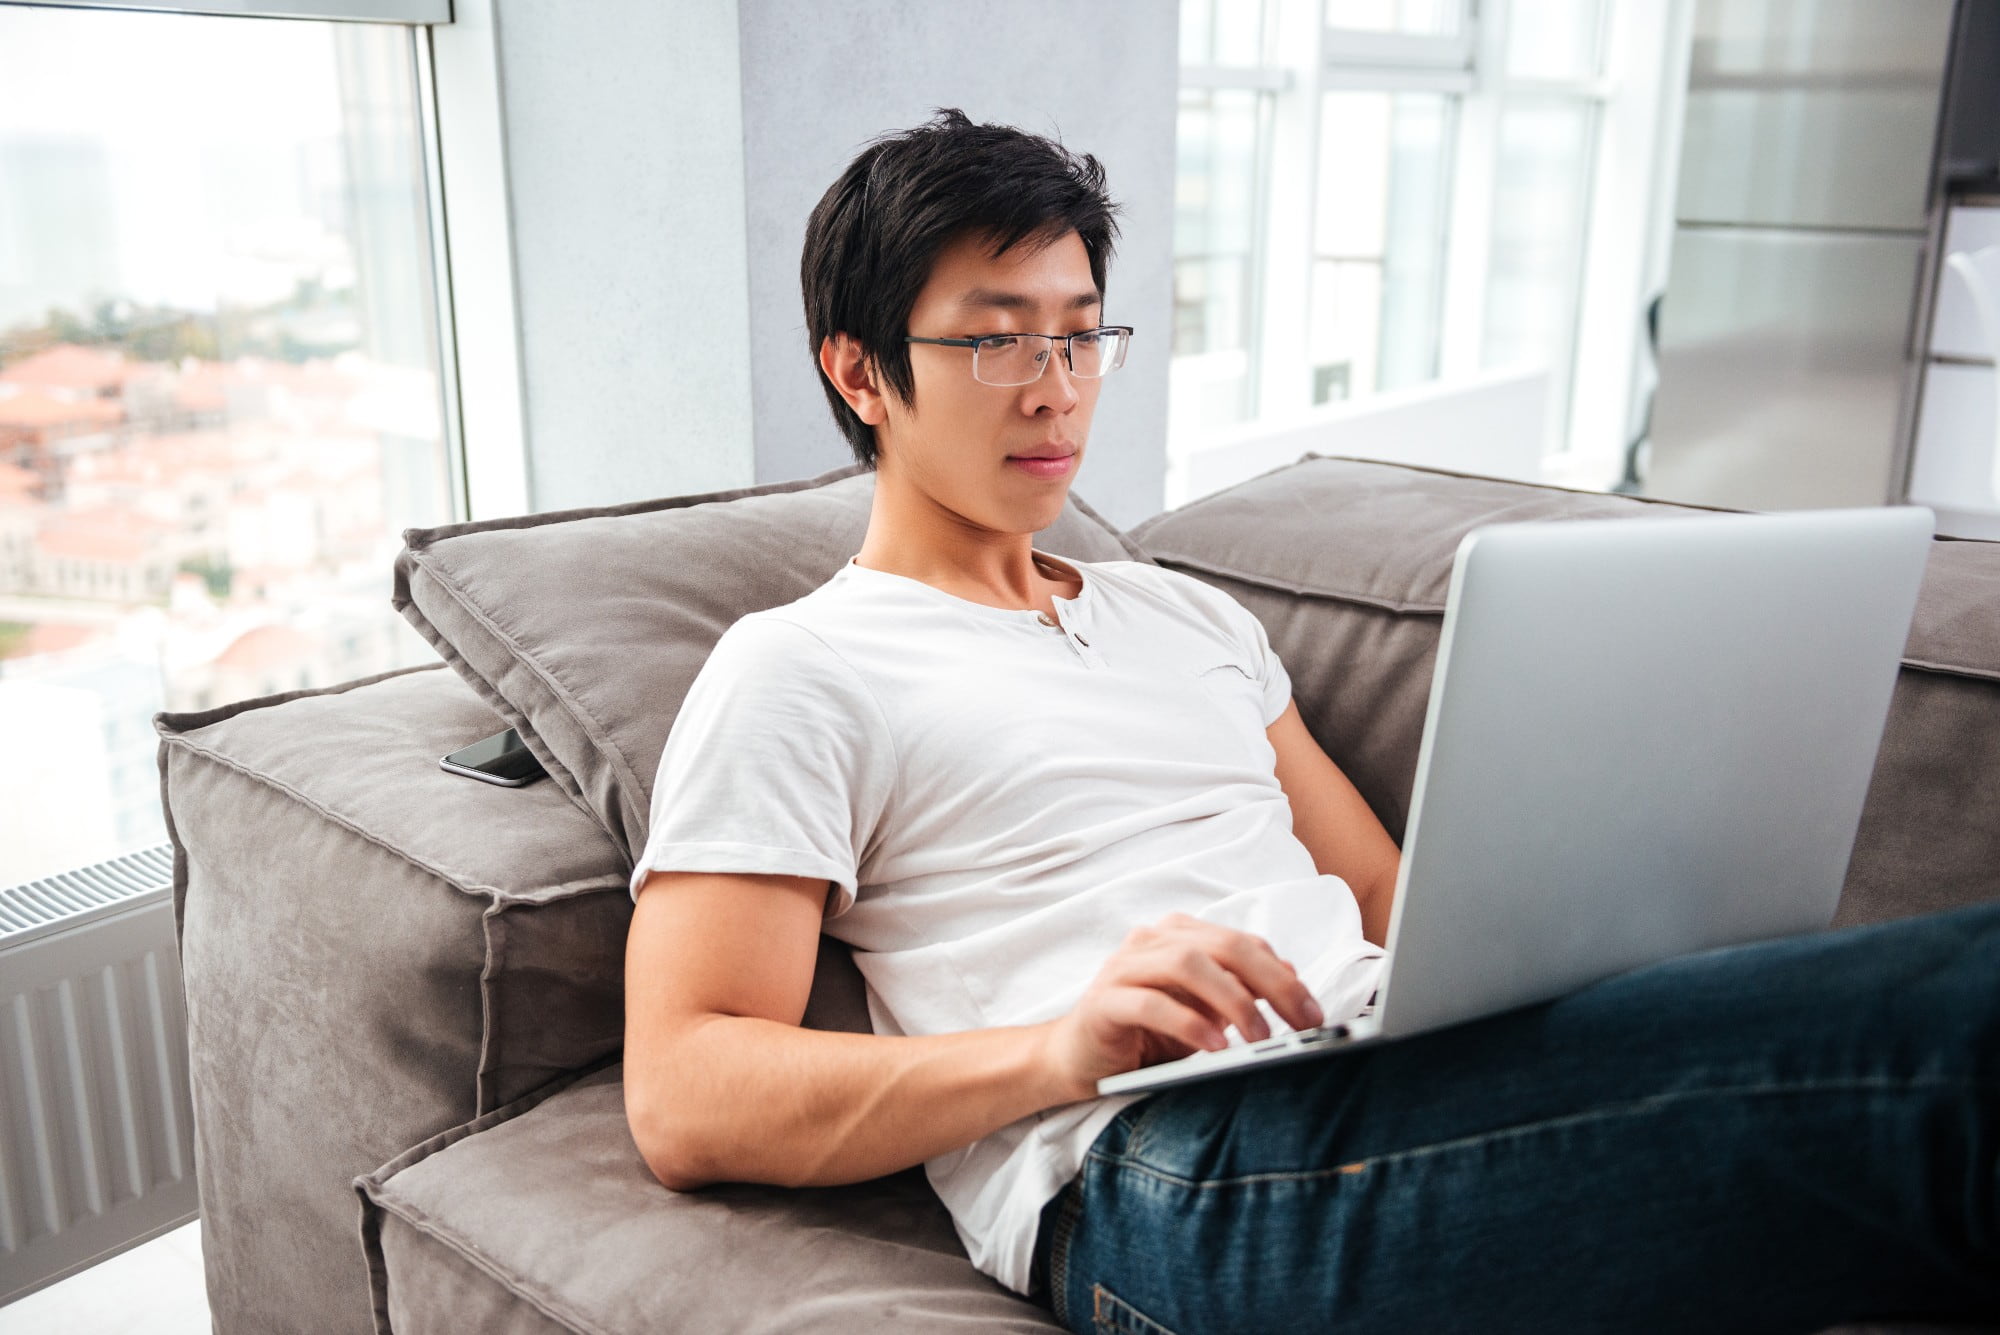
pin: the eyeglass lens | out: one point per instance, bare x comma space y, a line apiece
1017, 359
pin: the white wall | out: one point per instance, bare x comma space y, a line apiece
625, 181
660, 162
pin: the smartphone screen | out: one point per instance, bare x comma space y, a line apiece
502, 758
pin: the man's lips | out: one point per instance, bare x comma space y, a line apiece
1060, 465
1046, 452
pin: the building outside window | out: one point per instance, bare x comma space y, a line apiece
219, 389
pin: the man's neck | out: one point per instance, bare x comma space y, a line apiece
911, 533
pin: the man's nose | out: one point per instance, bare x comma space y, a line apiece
1056, 388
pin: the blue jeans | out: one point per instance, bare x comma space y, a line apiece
1775, 1137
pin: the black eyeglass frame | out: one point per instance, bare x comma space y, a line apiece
1054, 339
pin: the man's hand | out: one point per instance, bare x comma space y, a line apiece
1169, 991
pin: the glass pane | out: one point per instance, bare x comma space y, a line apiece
1344, 347
1438, 18
219, 398
1554, 39
1379, 238
1215, 222
1539, 208
1222, 34
1197, 32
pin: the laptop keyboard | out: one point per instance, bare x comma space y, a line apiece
1306, 1038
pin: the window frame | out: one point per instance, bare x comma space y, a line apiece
455, 60
337, 11
453, 53
1632, 100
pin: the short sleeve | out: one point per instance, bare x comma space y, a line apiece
779, 762
1272, 679
1246, 633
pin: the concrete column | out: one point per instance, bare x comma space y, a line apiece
625, 177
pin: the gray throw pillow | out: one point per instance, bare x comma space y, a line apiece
1347, 563
585, 628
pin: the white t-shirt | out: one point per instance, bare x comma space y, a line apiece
996, 802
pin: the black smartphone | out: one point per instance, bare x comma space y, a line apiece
502, 758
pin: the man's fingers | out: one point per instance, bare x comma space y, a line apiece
1251, 959
1150, 1009
1185, 971
1221, 991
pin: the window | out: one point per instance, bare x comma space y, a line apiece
1379, 234
1215, 226
220, 394
1380, 194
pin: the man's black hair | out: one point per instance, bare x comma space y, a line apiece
875, 234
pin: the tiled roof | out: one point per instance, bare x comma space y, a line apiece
18, 483
69, 366
36, 407
52, 637
115, 533
267, 647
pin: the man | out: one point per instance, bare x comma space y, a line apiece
1070, 820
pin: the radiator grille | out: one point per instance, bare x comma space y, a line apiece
72, 898
96, 1125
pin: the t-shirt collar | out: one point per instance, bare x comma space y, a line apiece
1075, 610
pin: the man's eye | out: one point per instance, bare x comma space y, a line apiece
1001, 342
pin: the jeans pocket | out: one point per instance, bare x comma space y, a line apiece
1112, 1315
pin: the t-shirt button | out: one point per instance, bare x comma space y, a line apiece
1045, 618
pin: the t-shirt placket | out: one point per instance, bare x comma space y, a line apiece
1078, 643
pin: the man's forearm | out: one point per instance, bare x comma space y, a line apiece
736, 1099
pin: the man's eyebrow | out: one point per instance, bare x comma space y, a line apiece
985, 298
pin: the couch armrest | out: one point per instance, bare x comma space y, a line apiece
373, 950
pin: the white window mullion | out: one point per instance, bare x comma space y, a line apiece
1284, 377
1264, 79
1632, 186
479, 239
1471, 231
1393, 79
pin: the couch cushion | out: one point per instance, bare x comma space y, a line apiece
543, 1217
1347, 563
373, 950
585, 628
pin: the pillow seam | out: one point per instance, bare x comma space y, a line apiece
373, 1187
464, 884
1176, 561
488, 694
1171, 561
462, 1248
563, 696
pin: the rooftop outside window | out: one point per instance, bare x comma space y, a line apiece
219, 389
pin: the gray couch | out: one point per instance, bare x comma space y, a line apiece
404, 989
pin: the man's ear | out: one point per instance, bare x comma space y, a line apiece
846, 364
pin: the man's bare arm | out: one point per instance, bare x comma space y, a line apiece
722, 1085
1334, 822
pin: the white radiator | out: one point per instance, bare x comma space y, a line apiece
96, 1129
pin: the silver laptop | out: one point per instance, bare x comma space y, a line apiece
1646, 737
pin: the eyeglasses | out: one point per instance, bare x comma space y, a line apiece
1020, 359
